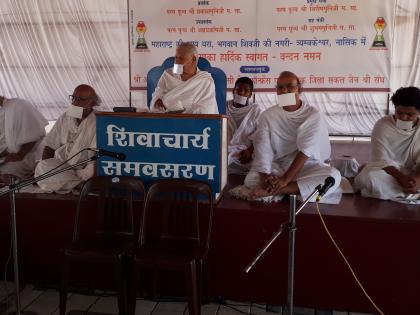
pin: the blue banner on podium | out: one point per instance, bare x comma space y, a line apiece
164, 146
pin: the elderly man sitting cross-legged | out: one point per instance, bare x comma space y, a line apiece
74, 131
290, 146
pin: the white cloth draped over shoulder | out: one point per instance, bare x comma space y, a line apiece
21, 123
68, 138
197, 94
391, 146
280, 136
242, 123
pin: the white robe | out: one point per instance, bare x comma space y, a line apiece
242, 123
391, 146
21, 123
197, 95
280, 136
67, 139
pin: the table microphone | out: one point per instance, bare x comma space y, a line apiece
115, 155
329, 182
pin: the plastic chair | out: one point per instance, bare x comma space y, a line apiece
114, 233
175, 235
219, 78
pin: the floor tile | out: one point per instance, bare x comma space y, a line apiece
45, 304
170, 308
105, 304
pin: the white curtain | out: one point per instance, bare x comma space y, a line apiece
405, 57
48, 47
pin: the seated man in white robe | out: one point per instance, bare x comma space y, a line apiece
74, 131
290, 146
22, 129
185, 88
243, 115
394, 170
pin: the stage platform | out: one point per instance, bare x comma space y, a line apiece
379, 238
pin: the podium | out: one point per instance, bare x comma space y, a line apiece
164, 146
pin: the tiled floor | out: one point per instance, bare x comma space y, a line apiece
45, 302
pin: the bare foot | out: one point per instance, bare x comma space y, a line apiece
258, 192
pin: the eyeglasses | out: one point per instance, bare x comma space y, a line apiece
74, 98
288, 87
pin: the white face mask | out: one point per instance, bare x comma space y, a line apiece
178, 68
239, 99
287, 99
75, 111
404, 125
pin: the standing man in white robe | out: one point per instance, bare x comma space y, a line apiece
22, 129
242, 115
74, 131
290, 146
394, 171
185, 88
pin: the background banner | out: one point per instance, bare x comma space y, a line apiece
332, 45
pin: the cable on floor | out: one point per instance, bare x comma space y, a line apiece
346, 261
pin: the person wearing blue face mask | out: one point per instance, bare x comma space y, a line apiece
73, 131
22, 129
394, 171
185, 88
242, 115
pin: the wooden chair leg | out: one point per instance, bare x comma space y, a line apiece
120, 276
204, 283
132, 287
155, 281
194, 306
64, 284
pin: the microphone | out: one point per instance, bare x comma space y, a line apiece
115, 155
329, 182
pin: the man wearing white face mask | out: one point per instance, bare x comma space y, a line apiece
185, 88
394, 172
243, 115
73, 131
22, 128
290, 146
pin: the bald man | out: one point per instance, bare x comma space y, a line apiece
22, 129
184, 88
290, 146
74, 131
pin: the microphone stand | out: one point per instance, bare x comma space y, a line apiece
13, 187
290, 226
